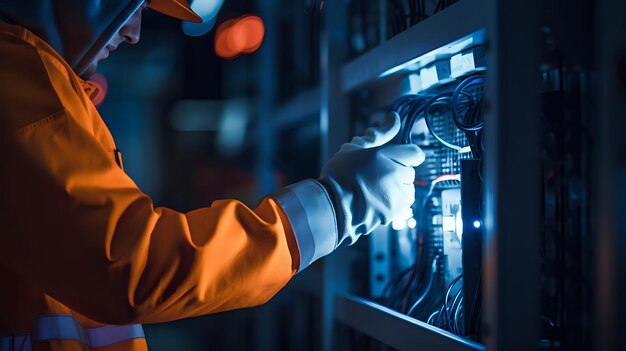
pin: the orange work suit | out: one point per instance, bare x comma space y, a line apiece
81, 247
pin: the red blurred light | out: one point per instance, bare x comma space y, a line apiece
255, 30
222, 49
243, 35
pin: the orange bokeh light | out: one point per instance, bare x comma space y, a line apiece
243, 35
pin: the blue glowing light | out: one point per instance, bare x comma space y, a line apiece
477, 224
208, 10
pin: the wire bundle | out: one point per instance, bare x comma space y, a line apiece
401, 20
410, 108
412, 287
454, 117
437, 115
442, 4
448, 115
398, 17
450, 316
467, 112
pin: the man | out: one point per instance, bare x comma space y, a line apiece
85, 257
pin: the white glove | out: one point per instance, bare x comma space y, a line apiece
371, 182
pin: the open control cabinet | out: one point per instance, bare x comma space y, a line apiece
516, 241
429, 267
499, 254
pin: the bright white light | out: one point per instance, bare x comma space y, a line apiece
477, 224
398, 224
412, 223
401, 219
459, 225
448, 224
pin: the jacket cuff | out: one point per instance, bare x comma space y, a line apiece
312, 216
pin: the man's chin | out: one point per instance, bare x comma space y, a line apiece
90, 71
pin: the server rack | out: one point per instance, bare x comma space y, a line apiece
608, 213
512, 34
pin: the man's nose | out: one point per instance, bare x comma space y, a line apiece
131, 31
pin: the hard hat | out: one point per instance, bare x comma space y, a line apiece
176, 8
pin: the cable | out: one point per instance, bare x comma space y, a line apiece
422, 256
450, 312
394, 282
413, 12
398, 23
437, 111
441, 179
436, 317
438, 320
431, 318
475, 311
437, 115
445, 299
433, 185
467, 101
402, 102
433, 270
457, 316
409, 107
439, 6
467, 111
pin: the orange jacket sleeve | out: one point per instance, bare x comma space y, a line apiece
78, 226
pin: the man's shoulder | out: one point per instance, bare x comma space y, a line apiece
21, 48
30, 77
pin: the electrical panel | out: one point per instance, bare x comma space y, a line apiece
502, 98
431, 266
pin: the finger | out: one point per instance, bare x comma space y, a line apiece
351, 146
405, 175
377, 136
400, 218
408, 194
407, 155
404, 214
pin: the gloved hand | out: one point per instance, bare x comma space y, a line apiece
371, 181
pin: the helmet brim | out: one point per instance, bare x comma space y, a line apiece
175, 8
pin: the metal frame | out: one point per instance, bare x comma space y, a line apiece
512, 216
609, 208
395, 329
512, 223
426, 36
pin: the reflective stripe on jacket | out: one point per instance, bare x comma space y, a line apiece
63, 327
79, 239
